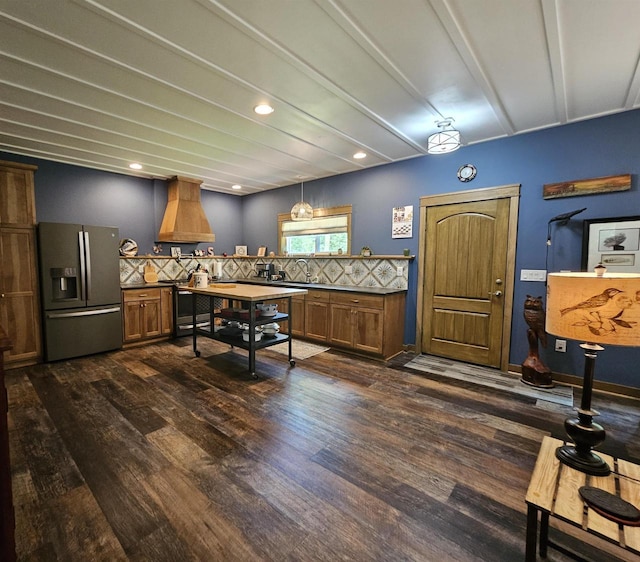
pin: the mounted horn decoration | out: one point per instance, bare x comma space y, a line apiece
184, 219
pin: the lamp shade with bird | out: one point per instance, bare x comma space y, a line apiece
598, 309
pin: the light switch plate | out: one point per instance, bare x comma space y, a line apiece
348, 269
399, 271
533, 275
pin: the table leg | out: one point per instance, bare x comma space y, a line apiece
532, 531
544, 533
195, 335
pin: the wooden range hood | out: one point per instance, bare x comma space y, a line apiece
184, 219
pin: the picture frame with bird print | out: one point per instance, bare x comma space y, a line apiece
613, 242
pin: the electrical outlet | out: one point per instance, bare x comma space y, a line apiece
141, 269
561, 346
348, 269
533, 275
399, 271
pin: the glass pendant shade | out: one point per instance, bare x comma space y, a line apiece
302, 211
447, 140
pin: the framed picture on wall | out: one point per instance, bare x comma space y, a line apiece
262, 251
613, 242
241, 250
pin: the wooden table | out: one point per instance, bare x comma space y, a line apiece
252, 294
553, 492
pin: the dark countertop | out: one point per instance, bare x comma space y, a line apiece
291, 284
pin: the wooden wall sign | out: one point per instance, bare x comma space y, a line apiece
586, 187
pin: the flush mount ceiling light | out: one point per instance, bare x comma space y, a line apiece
359, 155
263, 109
135, 166
447, 140
302, 211
236, 186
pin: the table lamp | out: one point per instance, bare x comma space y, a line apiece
596, 308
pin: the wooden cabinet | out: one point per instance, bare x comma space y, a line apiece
19, 291
316, 315
357, 321
372, 324
146, 313
17, 197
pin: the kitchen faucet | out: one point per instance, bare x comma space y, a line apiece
307, 273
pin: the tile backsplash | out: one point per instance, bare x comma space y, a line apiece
364, 272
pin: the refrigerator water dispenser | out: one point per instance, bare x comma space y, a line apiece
64, 283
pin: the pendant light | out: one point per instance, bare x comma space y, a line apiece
302, 211
447, 140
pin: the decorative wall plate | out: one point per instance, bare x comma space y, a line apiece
467, 172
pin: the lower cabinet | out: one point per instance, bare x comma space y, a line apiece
146, 313
359, 322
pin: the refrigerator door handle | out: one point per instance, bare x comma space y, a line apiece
83, 267
109, 310
87, 251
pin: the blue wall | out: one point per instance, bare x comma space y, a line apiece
599, 147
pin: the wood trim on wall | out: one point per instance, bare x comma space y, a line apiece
511, 191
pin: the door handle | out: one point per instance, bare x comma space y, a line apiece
496, 294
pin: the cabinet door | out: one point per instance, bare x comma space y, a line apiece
19, 309
368, 329
341, 325
317, 320
132, 320
166, 306
151, 318
297, 316
17, 205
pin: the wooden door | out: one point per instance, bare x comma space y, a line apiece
466, 278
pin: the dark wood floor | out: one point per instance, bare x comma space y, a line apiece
153, 454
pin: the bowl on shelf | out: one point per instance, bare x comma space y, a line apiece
257, 334
267, 309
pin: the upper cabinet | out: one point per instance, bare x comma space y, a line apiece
17, 199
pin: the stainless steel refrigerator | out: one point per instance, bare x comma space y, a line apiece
80, 289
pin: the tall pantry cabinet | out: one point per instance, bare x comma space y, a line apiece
19, 295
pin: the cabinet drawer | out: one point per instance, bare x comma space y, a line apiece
140, 294
358, 299
314, 295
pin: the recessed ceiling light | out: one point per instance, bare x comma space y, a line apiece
359, 155
135, 166
263, 109
236, 186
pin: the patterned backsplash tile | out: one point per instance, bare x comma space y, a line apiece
367, 272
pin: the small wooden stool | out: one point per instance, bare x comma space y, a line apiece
553, 492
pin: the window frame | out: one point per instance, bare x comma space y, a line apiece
317, 213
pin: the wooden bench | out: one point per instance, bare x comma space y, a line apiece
553, 492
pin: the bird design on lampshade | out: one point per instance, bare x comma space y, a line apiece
594, 302
607, 317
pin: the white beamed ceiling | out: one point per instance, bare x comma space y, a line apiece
172, 83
